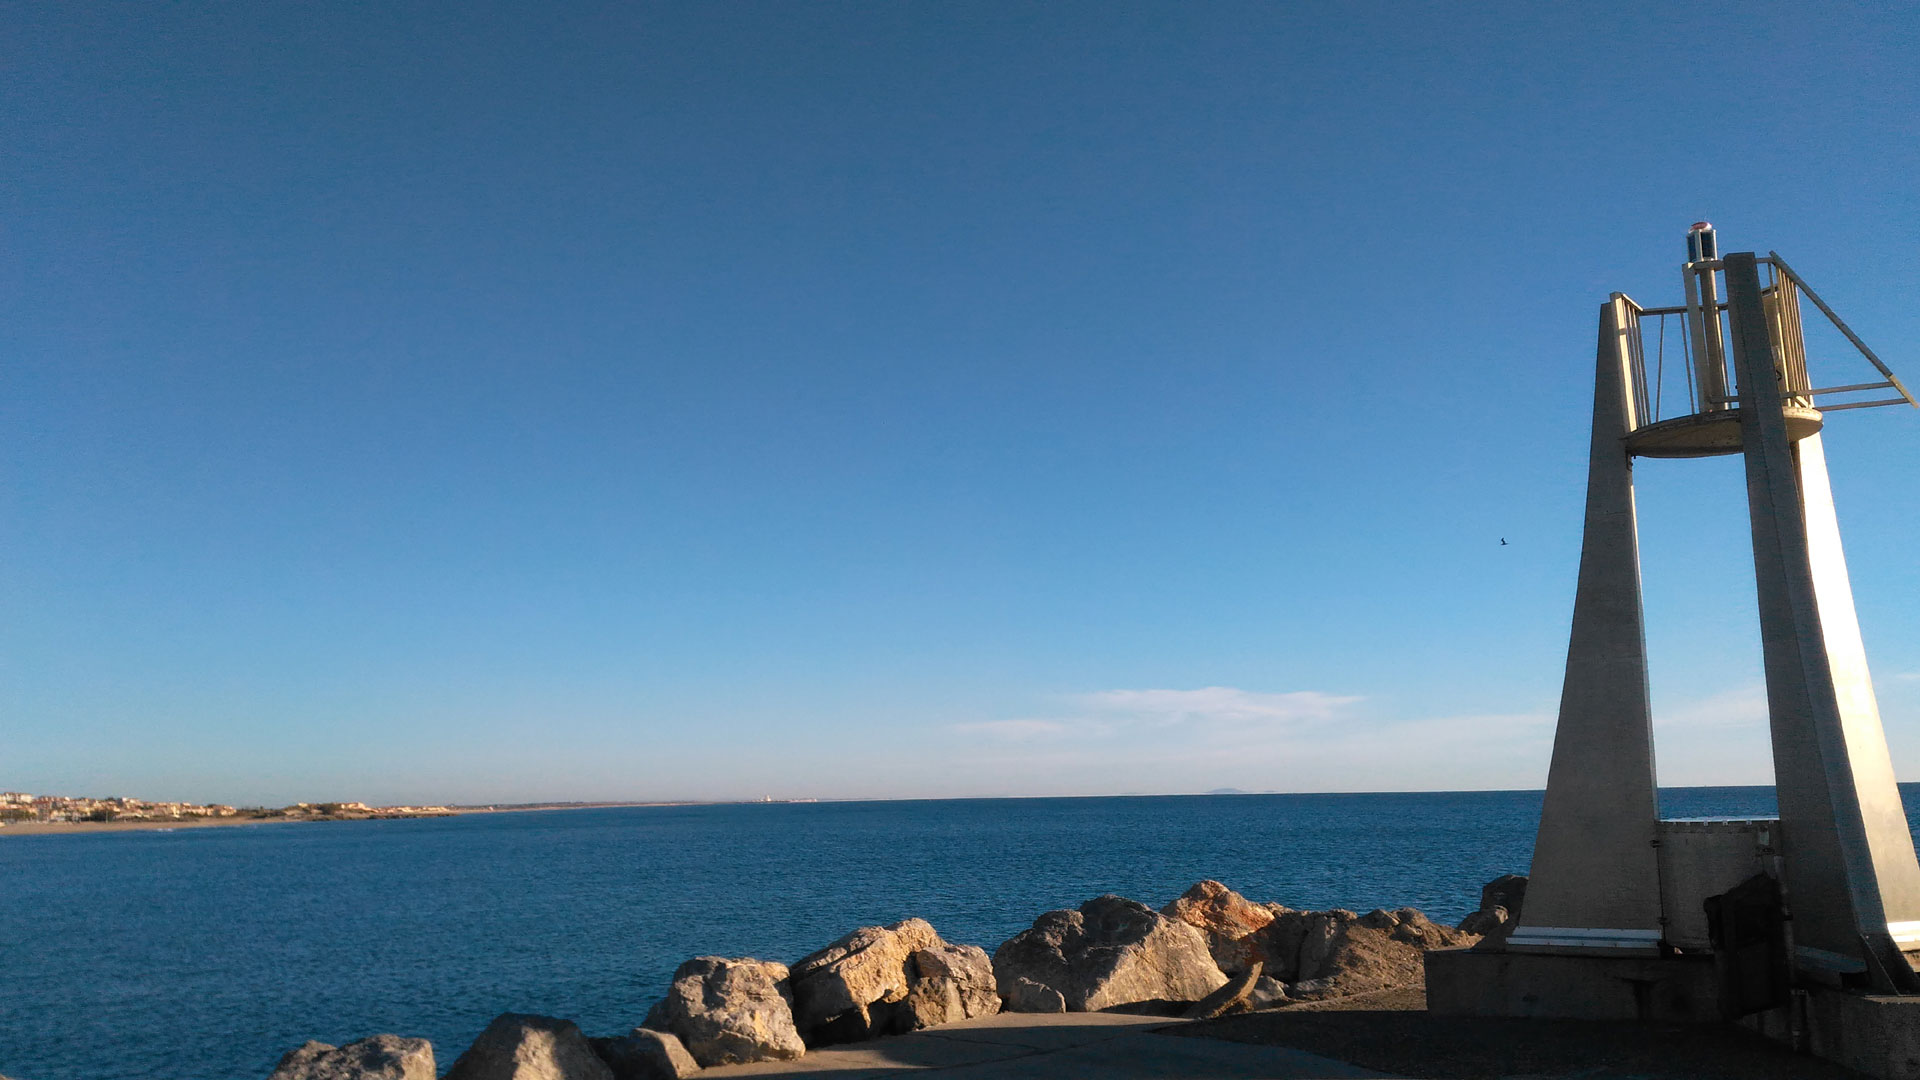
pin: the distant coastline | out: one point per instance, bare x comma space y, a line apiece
64, 828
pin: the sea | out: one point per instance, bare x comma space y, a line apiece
206, 954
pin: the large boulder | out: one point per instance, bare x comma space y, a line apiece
1500, 901
1026, 996
856, 988
1112, 951
1322, 954
888, 980
1411, 926
1278, 943
1232, 997
1267, 991
382, 1057
1485, 921
521, 1047
729, 1012
1508, 891
1340, 955
951, 982
1228, 919
644, 1054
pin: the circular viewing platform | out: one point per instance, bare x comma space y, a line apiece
1710, 434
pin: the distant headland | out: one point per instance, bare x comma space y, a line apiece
24, 814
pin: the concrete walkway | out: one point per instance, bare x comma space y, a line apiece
1070, 1046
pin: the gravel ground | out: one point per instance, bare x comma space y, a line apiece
1393, 1032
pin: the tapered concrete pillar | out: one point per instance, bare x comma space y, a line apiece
1851, 877
1889, 839
1595, 879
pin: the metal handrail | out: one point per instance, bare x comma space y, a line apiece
1780, 264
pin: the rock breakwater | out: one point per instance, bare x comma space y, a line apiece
1209, 952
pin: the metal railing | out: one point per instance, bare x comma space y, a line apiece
1674, 337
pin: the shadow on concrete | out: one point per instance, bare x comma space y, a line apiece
1421, 1044
1027, 1047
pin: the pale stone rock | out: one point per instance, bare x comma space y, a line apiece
1266, 991
1112, 951
1485, 921
1380, 919
730, 1011
1340, 955
1324, 936
1320, 954
1278, 943
888, 980
1500, 901
645, 1054
1411, 926
951, 982
382, 1057
1228, 919
856, 988
517, 1046
1508, 891
1229, 997
1026, 996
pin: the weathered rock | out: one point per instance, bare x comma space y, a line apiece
521, 1047
382, 1057
951, 982
888, 980
1228, 919
645, 1054
1266, 991
1111, 952
1278, 943
1500, 902
1379, 919
729, 1012
1508, 891
1319, 954
1340, 955
1228, 997
1412, 927
1485, 921
1026, 996
856, 988
1324, 935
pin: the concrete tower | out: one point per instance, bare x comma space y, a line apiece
1615, 921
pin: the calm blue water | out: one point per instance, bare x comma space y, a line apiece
206, 954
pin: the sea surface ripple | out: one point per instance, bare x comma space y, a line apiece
205, 954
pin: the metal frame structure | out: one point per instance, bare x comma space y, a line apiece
1844, 856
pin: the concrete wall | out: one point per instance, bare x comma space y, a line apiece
1471, 982
1877, 1035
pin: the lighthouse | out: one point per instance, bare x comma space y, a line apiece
1631, 916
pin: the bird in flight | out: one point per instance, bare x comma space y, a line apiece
1503, 541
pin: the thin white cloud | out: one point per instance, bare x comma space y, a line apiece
1908, 676
1741, 707
1017, 730
1210, 714
1215, 705
1718, 739
1119, 741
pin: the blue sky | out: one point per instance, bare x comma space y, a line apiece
510, 402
